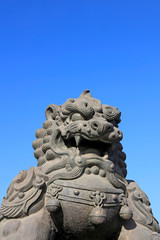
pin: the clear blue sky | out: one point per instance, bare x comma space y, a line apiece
52, 50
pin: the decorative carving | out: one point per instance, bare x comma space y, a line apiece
140, 205
53, 190
98, 198
98, 215
26, 189
79, 185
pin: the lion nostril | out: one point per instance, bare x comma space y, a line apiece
95, 125
108, 127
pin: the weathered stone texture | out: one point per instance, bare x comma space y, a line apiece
78, 189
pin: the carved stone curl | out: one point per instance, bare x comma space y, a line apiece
24, 195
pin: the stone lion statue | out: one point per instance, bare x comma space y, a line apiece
78, 191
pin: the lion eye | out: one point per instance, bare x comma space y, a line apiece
76, 117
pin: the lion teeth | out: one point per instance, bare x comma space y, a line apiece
105, 157
77, 140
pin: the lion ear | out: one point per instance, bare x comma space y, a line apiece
51, 112
85, 93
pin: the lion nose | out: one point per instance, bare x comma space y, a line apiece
101, 126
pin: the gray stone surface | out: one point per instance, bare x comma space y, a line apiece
78, 189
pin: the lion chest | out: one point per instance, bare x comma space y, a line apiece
83, 205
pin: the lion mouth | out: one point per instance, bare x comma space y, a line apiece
89, 146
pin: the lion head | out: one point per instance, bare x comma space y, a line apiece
81, 136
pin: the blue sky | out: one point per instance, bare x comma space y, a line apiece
52, 50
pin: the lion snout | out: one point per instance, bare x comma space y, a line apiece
101, 127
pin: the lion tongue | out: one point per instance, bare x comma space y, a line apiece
77, 140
